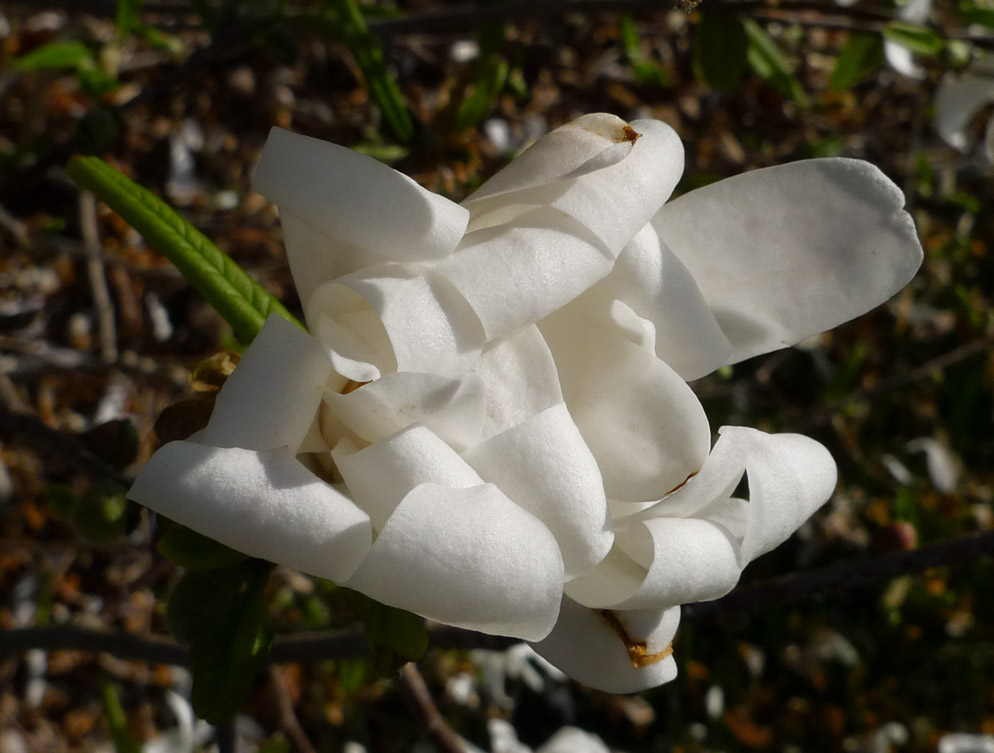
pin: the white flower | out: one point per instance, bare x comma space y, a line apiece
490, 425
960, 97
900, 57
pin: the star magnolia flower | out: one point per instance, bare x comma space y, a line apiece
490, 424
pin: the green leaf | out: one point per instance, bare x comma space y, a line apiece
394, 636
972, 14
918, 39
242, 302
194, 551
720, 47
861, 55
126, 17
222, 616
54, 55
368, 54
769, 63
100, 515
646, 70
482, 94
117, 720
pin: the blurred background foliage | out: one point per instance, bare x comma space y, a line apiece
98, 335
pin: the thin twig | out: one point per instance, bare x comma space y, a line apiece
843, 576
418, 695
920, 373
288, 718
98, 280
310, 647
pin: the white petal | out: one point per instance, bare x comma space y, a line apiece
544, 466
642, 422
395, 317
588, 648
519, 378
383, 474
272, 397
513, 275
958, 99
578, 147
653, 282
614, 193
454, 409
265, 504
355, 200
614, 580
790, 476
784, 253
902, 60
469, 558
316, 258
687, 560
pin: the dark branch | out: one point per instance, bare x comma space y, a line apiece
308, 647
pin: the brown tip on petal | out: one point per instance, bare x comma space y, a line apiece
638, 652
631, 135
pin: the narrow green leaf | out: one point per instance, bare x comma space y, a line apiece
222, 616
646, 70
242, 302
393, 635
720, 47
971, 14
482, 94
368, 54
769, 63
194, 551
54, 55
861, 55
117, 720
918, 39
127, 17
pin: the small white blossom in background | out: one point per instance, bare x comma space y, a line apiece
490, 424
941, 464
959, 98
961, 742
899, 57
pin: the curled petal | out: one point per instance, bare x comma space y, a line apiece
394, 317
354, 202
469, 558
272, 396
790, 476
519, 378
454, 409
786, 252
655, 284
591, 647
614, 193
515, 275
579, 147
544, 466
686, 560
642, 422
383, 474
265, 504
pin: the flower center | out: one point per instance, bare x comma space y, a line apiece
638, 652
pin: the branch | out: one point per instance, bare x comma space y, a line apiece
843, 576
310, 647
418, 695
